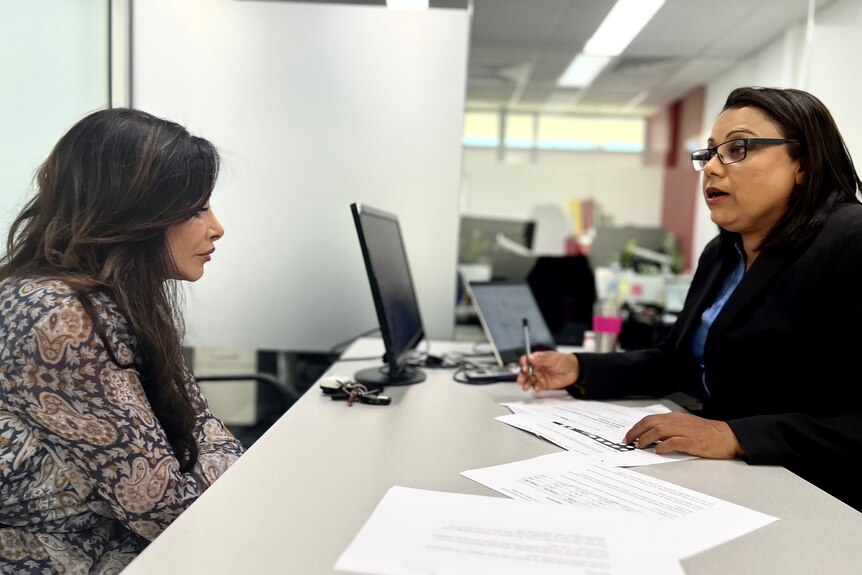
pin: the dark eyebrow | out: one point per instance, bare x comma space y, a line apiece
734, 135
740, 134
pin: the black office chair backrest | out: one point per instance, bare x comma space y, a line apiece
273, 399
565, 289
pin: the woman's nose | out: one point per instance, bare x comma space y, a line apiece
215, 227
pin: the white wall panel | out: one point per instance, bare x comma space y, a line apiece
53, 71
836, 69
313, 107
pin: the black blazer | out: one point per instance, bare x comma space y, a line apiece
782, 359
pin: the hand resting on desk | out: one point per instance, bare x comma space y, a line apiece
667, 432
686, 433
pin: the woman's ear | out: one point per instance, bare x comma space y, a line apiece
801, 171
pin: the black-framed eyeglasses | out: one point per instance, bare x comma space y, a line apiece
731, 151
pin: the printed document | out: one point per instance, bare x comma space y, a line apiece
692, 520
592, 429
414, 531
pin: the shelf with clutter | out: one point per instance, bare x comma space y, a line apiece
647, 288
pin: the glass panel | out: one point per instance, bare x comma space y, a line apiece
591, 133
482, 129
56, 72
519, 131
565, 133
622, 134
555, 132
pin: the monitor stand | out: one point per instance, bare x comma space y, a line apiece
379, 376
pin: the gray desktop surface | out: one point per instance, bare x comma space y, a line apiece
297, 498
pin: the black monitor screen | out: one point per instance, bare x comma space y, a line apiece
477, 237
394, 297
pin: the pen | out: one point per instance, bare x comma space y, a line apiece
527, 345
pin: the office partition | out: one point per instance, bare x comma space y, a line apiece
313, 106
54, 63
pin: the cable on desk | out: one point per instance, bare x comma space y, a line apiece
423, 358
339, 347
459, 376
449, 360
419, 357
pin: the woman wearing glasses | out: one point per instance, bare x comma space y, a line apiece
104, 435
769, 336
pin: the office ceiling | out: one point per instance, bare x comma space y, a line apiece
518, 49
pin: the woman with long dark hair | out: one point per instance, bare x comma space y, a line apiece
105, 437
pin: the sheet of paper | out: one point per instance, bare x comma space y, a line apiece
592, 429
601, 417
693, 521
596, 449
415, 531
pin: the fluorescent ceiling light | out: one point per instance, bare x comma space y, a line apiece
407, 4
583, 70
625, 20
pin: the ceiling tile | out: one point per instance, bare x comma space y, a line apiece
521, 47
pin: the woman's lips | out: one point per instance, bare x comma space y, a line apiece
714, 195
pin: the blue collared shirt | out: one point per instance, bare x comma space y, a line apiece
698, 341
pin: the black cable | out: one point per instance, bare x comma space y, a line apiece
338, 348
417, 356
458, 372
457, 377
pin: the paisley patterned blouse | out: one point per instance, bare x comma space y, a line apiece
87, 475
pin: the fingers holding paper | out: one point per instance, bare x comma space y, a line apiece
686, 433
550, 370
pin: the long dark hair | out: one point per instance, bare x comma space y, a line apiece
830, 177
105, 196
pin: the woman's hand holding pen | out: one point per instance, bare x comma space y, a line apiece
550, 370
686, 433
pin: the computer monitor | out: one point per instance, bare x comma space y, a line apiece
394, 297
477, 236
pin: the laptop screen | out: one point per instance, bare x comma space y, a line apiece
502, 307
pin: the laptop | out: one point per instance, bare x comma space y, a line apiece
502, 308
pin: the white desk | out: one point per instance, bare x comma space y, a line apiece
297, 498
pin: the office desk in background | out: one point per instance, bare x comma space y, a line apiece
297, 498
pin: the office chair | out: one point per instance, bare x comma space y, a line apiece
565, 290
273, 400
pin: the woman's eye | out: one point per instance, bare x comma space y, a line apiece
737, 150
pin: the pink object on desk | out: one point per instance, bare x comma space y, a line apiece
607, 324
